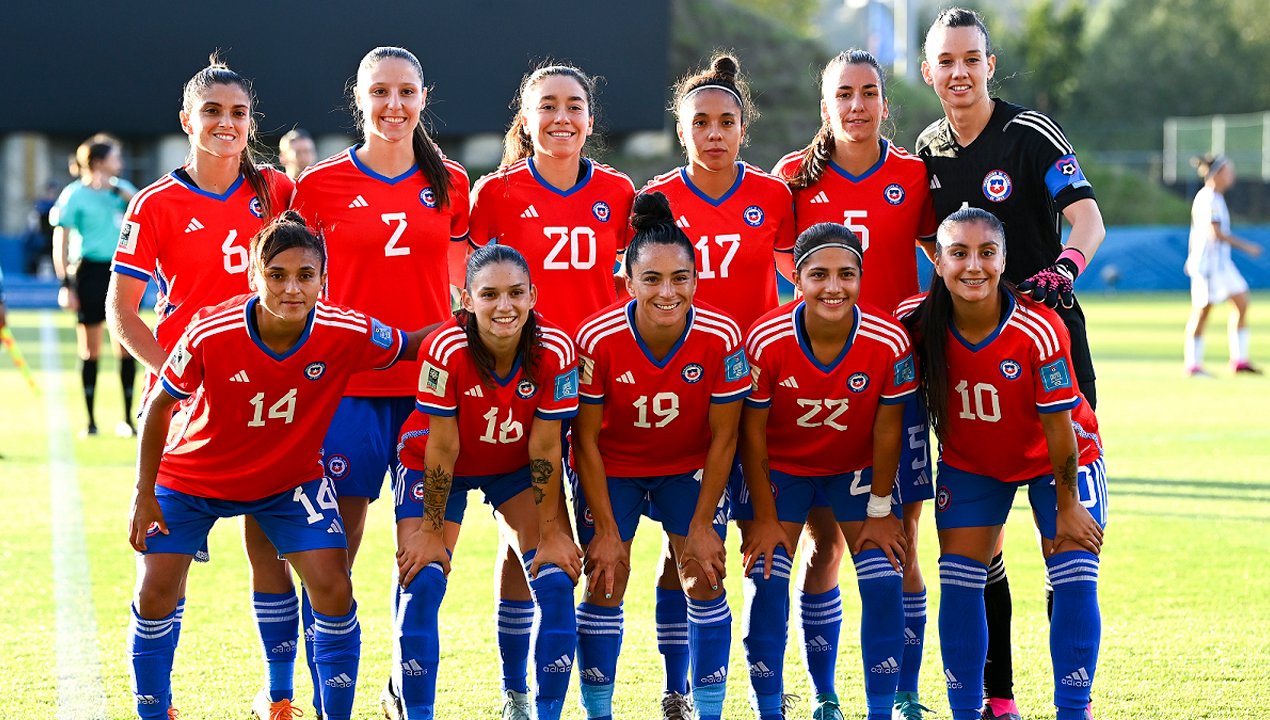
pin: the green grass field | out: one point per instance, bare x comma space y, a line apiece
1185, 587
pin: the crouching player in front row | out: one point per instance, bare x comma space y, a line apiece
996, 372
495, 385
661, 385
825, 418
258, 378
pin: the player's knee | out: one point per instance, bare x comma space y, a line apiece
697, 586
157, 600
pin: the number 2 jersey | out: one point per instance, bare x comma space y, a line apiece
494, 419
193, 243
999, 387
256, 420
570, 238
820, 419
657, 412
387, 243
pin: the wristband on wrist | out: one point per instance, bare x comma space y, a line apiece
1076, 257
879, 506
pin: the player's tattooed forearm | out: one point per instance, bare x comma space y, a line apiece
436, 490
539, 474
1067, 477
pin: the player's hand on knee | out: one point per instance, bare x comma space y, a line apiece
886, 533
761, 540
704, 547
418, 550
1075, 526
146, 518
557, 548
604, 555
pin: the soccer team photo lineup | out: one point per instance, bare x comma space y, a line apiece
744, 361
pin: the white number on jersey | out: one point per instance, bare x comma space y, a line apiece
283, 410
508, 431
983, 397
857, 483
731, 242
814, 407
235, 255
664, 405
917, 438
581, 242
390, 248
849, 217
325, 500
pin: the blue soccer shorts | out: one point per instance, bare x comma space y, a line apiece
847, 494
965, 499
408, 492
668, 499
361, 445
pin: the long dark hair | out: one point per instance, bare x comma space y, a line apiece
818, 153
218, 73
929, 322
527, 348
427, 155
517, 145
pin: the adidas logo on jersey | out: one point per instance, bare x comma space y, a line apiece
682, 222
336, 528
359, 201
286, 646
716, 677
886, 667
820, 198
413, 668
594, 675
789, 382
562, 664
934, 182
910, 637
818, 644
951, 680
530, 212
475, 391
627, 377
1080, 678
194, 225
240, 376
340, 681
761, 670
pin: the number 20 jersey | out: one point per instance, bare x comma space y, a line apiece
256, 420
657, 412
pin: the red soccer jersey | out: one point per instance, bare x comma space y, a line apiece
657, 413
889, 207
494, 420
193, 243
820, 419
257, 419
998, 389
570, 238
387, 241
736, 237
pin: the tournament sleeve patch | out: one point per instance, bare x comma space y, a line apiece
380, 334
586, 367
432, 380
567, 385
128, 237
904, 371
1056, 376
736, 366
755, 371
179, 359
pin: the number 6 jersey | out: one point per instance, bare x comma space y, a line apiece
255, 425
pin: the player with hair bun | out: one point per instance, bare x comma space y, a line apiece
258, 378
661, 377
189, 231
996, 370
392, 206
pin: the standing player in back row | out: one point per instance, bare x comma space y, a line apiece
1017, 164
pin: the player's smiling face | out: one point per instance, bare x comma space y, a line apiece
557, 116
219, 122
958, 65
501, 297
851, 102
711, 130
970, 260
829, 280
390, 96
289, 284
663, 281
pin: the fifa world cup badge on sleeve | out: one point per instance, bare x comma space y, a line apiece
380, 334
432, 379
567, 384
586, 368
904, 371
736, 365
128, 237
1056, 376
180, 358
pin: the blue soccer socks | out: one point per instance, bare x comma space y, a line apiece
881, 628
821, 618
914, 640
278, 620
599, 642
151, 648
515, 620
306, 626
554, 636
337, 646
765, 631
418, 651
1075, 629
671, 611
963, 632
709, 640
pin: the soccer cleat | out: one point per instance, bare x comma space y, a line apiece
90, 431
173, 713
125, 429
825, 707
1243, 366
265, 709
676, 706
390, 703
788, 701
1197, 371
1000, 709
907, 707
1089, 711
517, 706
